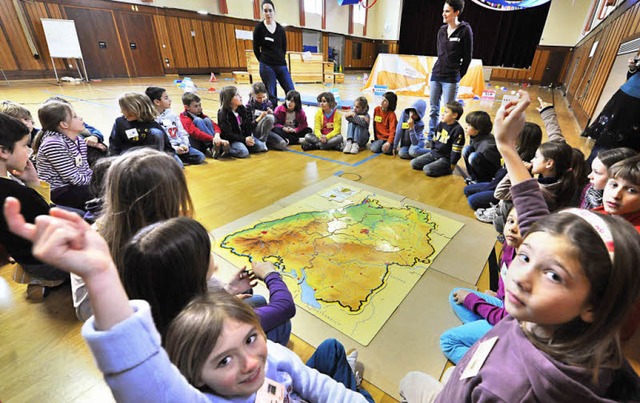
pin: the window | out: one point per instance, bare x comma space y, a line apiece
313, 6
359, 13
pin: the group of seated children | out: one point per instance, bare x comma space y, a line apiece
568, 291
154, 251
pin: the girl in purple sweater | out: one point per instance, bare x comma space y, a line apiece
568, 292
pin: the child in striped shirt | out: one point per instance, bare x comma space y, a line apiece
62, 155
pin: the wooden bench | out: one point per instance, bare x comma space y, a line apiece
242, 77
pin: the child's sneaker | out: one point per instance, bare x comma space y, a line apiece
217, 151
347, 147
487, 215
306, 146
352, 359
469, 181
355, 148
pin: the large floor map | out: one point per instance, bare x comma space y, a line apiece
348, 256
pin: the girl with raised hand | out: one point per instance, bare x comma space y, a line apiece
568, 291
217, 351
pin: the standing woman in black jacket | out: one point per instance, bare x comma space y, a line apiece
270, 47
455, 43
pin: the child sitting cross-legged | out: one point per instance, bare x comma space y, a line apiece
481, 156
214, 350
171, 123
237, 125
261, 109
447, 145
291, 121
408, 141
204, 133
327, 129
61, 156
358, 126
384, 124
137, 127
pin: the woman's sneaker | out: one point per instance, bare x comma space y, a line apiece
355, 148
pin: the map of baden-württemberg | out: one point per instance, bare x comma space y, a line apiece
348, 256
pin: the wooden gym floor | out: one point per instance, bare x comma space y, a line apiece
42, 355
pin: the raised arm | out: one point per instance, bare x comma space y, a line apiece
65, 241
509, 122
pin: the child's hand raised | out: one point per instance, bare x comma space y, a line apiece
510, 120
543, 105
62, 240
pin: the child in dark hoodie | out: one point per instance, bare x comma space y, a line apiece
409, 139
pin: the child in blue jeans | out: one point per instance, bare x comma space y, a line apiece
447, 146
358, 126
237, 125
178, 137
480, 311
204, 133
409, 139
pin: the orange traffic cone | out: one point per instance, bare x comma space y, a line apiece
213, 78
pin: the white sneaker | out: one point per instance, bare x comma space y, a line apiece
347, 147
355, 148
487, 215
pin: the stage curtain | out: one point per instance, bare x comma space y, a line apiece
501, 38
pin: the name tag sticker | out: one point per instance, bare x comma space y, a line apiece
266, 38
503, 272
78, 160
271, 392
405, 125
166, 123
377, 119
455, 39
257, 112
478, 359
132, 134
330, 125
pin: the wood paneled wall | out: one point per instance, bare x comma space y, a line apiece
185, 42
367, 55
547, 67
584, 77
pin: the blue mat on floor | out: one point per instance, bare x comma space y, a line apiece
311, 100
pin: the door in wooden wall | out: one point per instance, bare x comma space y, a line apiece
99, 42
140, 45
553, 69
